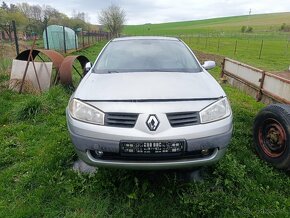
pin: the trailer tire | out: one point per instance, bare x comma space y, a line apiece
271, 133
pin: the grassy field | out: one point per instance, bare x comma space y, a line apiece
261, 23
37, 180
223, 36
274, 55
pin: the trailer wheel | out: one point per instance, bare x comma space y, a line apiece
272, 135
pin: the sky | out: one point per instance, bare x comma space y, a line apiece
160, 11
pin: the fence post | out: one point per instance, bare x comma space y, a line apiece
235, 51
260, 92
46, 34
218, 48
76, 46
15, 37
223, 66
261, 49
83, 38
64, 43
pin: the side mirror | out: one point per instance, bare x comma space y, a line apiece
88, 66
209, 65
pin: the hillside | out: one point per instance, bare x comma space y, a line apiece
260, 23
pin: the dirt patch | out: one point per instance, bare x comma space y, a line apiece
201, 56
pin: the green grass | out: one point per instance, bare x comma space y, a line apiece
275, 54
220, 35
261, 23
5, 64
37, 180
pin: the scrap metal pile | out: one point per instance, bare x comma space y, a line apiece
52, 69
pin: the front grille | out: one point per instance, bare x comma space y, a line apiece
180, 119
127, 120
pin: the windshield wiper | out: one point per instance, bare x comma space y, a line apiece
157, 70
113, 71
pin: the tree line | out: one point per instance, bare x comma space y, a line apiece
33, 18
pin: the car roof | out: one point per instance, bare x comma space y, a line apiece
144, 38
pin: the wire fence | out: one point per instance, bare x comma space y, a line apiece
233, 46
269, 51
256, 45
272, 52
20, 40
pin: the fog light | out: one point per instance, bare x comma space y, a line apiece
204, 152
99, 153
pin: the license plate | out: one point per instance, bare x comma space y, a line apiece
157, 147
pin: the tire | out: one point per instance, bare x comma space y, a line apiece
272, 135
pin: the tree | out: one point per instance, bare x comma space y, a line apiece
38, 16
24, 8
33, 18
4, 6
113, 19
7, 15
79, 15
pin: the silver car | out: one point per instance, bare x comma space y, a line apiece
147, 103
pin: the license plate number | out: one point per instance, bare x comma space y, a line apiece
158, 147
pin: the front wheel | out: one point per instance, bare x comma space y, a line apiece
272, 135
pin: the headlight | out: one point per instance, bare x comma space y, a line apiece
216, 111
85, 112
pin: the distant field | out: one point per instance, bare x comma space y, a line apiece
223, 36
262, 23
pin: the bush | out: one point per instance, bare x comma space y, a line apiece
285, 28
243, 29
247, 29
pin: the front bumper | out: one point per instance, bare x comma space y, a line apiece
85, 145
152, 165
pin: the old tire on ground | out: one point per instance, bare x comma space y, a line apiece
272, 135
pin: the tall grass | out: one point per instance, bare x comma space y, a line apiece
5, 61
5, 64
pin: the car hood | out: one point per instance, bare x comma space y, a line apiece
148, 86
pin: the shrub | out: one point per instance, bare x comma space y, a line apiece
247, 29
285, 28
243, 29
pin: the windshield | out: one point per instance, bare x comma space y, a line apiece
146, 55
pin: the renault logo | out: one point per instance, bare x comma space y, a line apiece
152, 122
